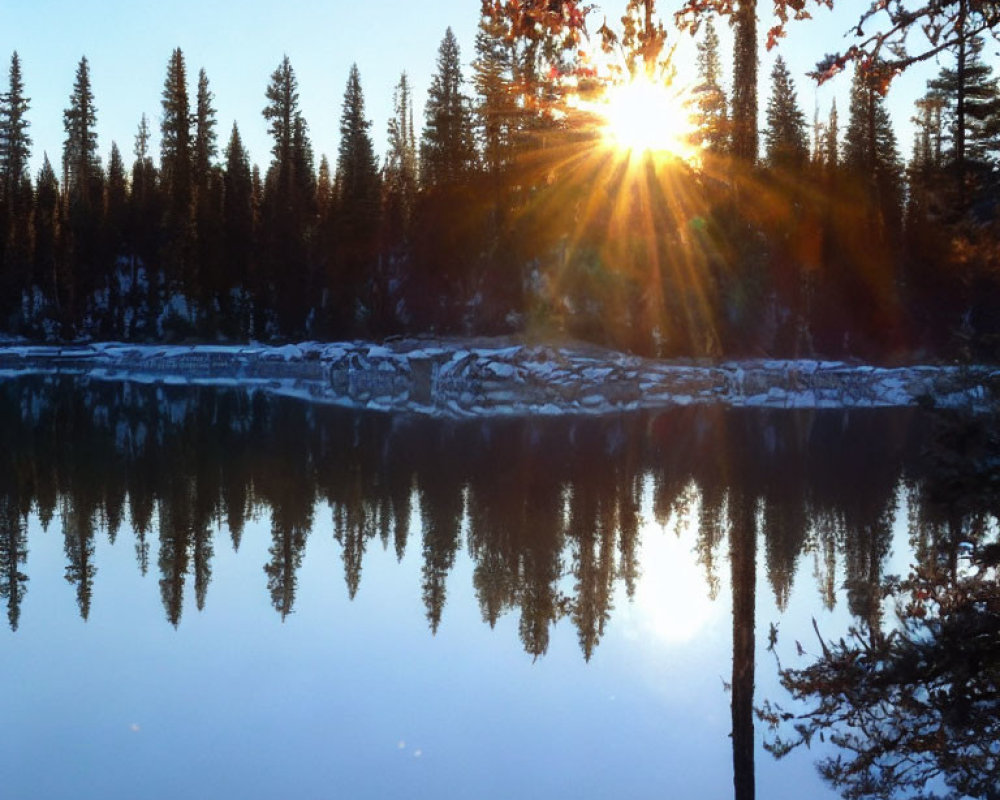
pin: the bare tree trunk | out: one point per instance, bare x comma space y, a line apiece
744, 119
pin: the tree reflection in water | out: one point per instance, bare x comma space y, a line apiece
915, 711
550, 514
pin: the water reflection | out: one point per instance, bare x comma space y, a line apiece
916, 708
549, 511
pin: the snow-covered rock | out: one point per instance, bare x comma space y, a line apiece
504, 377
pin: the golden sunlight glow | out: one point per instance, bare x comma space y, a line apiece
645, 116
671, 598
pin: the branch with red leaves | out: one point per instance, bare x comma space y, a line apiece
885, 52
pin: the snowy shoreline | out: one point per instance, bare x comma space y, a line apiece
493, 377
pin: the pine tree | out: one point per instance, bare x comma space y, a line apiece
496, 109
15, 191
288, 204
116, 202
80, 159
785, 136
972, 107
400, 173
15, 143
207, 191
713, 113
205, 148
238, 220
175, 175
358, 196
447, 149
870, 150
45, 223
83, 190
831, 139
115, 225
145, 207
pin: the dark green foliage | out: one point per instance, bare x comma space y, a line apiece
83, 192
80, 159
48, 273
713, 113
210, 257
785, 136
496, 109
238, 230
287, 212
519, 216
358, 198
15, 143
447, 150
176, 177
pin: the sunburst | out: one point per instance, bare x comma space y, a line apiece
646, 116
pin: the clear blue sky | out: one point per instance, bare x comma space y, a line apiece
239, 45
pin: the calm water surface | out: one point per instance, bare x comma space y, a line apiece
212, 593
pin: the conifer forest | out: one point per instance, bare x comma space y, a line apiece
504, 206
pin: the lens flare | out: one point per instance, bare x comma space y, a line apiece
643, 116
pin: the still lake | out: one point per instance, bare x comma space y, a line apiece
220, 593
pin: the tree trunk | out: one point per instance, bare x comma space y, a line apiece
744, 120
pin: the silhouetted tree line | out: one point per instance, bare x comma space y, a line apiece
504, 213
174, 465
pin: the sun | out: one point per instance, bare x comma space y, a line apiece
671, 602
644, 116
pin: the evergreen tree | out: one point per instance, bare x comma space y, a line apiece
713, 113
144, 219
115, 222
83, 197
13, 557
447, 148
496, 109
205, 137
207, 185
400, 172
47, 265
401, 158
870, 152
80, 159
831, 139
971, 109
15, 143
288, 203
176, 174
238, 222
15, 191
785, 136
358, 196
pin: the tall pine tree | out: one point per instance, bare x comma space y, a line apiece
358, 200
288, 206
207, 191
238, 233
83, 193
175, 176
447, 147
15, 191
785, 136
713, 112
496, 107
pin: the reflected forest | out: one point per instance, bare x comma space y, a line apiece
551, 538
549, 535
